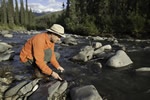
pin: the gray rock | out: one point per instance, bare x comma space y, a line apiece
120, 59
15, 89
28, 87
4, 47
102, 49
95, 67
21, 90
53, 89
4, 32
19, 77
88, 92
85, 54
9, 54
60, 90
70, 41
8, 35
143, 69
96, 45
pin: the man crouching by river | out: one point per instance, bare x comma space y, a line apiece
39, 50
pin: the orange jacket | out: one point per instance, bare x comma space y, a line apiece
34, 48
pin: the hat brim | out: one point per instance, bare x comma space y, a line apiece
56, 33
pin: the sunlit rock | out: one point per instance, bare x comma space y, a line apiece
96, 45
4, 32
8, 35
143, 69
85, 54
102, 49
120, 59
4, 46
9, 54
70, 41
5, 51
97, 38
106, 47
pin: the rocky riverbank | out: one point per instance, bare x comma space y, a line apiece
93, 65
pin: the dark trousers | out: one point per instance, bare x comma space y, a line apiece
47, 56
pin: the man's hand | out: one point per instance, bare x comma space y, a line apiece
60, 68
56, 76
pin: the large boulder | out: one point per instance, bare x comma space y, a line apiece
53, 90
21, 90
88, 92
120, 59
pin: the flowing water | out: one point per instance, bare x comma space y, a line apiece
112, 84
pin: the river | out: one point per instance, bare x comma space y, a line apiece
112, 84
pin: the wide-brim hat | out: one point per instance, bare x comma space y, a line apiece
57, 29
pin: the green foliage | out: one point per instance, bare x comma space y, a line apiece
4, 27
138, 22
86, 29
43, 22
11, 27
11, 15
120, 17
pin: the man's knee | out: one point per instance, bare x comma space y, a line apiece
57, 55
48, 55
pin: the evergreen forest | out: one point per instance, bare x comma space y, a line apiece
85, 17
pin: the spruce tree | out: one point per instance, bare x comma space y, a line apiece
16, 13
10, 11
4, 14
26, 14
22, 14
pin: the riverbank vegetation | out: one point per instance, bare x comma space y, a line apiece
115, 17
14, 17
85, 17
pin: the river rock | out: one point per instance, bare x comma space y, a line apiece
96, 45
8, 35
5, 51
4, 47
15, 89
4, 32
70, 41
88, 92
107, 47
85, 54
9, 54
143, 69
102, 49
120, 59
95, 67
22, 90
52, 90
